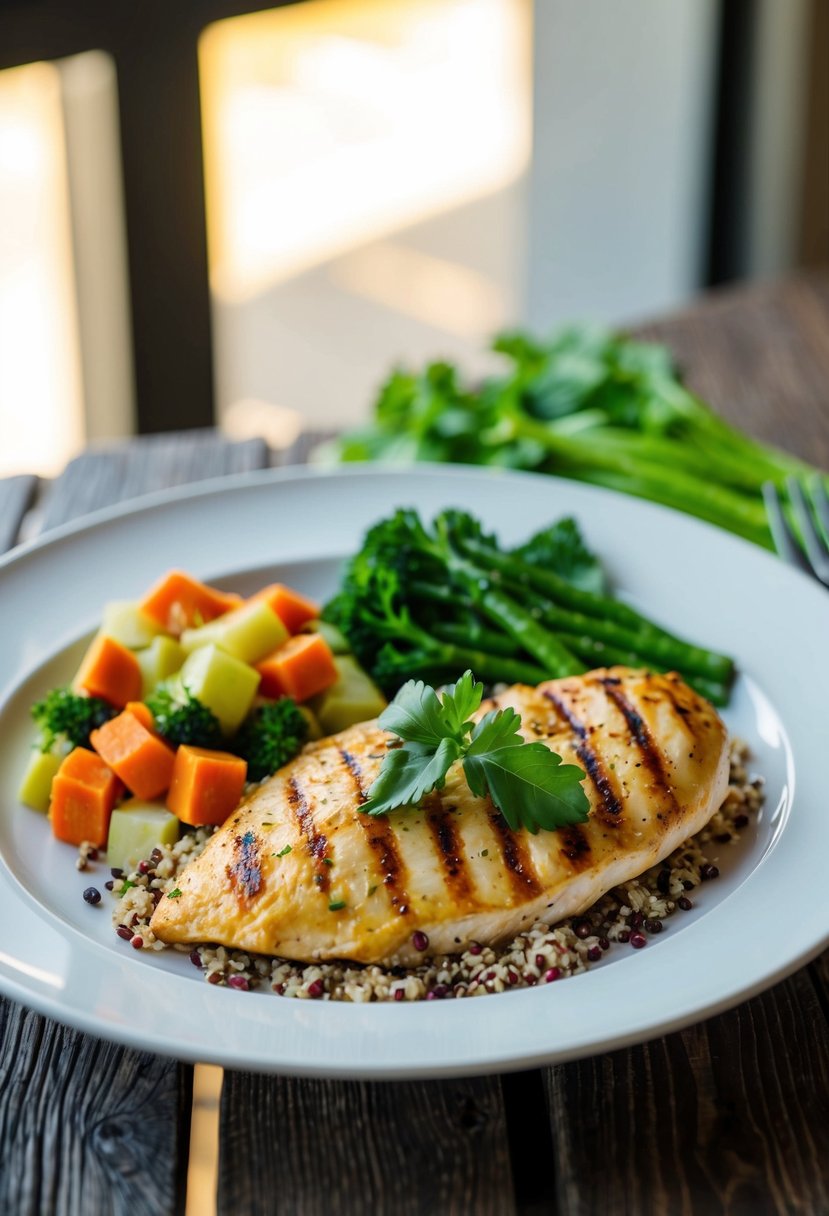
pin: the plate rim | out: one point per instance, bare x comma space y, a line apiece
209, 488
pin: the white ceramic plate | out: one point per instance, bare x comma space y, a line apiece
764, 917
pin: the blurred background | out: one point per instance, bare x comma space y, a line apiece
212, 212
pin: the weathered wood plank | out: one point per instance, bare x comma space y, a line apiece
299, 452
730, 1116
115, 473
344, 1147
760, 356
85, 1126
16, 494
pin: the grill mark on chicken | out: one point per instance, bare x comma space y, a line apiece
684, 712
317, 843
610, 808
639, 732
449, 848
245, 875
353, 767
574, 845
516, 861
380, 837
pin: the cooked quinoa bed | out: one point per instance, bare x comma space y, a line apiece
626, 917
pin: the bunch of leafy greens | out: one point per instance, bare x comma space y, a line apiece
526, 781
589, 405
431, 602
65, 719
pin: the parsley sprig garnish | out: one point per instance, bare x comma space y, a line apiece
526, 781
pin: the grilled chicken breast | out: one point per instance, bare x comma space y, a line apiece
300, 872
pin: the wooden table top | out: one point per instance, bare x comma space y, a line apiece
731, 1115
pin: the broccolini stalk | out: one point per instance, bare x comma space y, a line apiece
439, 664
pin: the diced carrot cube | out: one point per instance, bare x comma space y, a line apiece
206, 785
109, 671
300, 668
293, 609
142, 712
135, 754
84, 791
178, 602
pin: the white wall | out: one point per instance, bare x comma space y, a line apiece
623, 108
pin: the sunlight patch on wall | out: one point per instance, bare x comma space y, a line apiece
334, 122
41, 420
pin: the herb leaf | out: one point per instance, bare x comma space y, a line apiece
529, 785
409, 773
498, 728
415, 714
459, 701
526, 781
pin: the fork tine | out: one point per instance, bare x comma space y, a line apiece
784, 542
813, 542
820, 502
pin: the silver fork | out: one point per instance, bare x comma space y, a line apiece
810, 509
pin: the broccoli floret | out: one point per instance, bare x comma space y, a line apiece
64, 716
561, 548
270, 738
182, 718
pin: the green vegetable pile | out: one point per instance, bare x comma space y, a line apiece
526, 781
431, 602
588, 405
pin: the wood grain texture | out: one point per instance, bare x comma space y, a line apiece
16, 495
760, 356
731, 1116
87, 1127
115, 473
323, 1148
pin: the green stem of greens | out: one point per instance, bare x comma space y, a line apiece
442, 661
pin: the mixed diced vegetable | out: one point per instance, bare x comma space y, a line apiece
181, 701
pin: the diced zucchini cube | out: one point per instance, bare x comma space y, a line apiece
124, 621
36, 785
337, 641
135, 828
221, 682
162, 658
354, 697
249, 632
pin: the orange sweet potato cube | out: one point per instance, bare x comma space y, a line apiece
143, 713
135, 754
300, 668
178, 602
109, 671
206, 786
293, 609
84, 791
